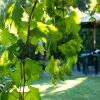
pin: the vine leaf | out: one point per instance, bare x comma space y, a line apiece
17, 13
55, 70
4, 58
33, 69
69, 48
13, 95
71, 2
40, 49
7, 38
1, 20
33, 94
4, 96
38, 12
38, 33
73, 23
16, 74
54, 33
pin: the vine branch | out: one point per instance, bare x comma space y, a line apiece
63, 7
23, 53
30, 17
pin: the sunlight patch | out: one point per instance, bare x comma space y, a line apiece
69, 84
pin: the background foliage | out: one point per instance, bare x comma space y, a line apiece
87, 37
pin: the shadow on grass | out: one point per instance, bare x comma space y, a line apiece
74, 88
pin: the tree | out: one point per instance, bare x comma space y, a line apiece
89, 7
33, 31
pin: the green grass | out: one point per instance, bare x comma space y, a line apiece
74, 88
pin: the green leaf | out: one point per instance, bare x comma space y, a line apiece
23, 27
67, 69
33, 94
40, 48
15, 49
60, 23
73, 23
55, 69
12, 50
5, 63
39, 33
34, 39
70, 48
33, 69
16, 74
71, 2
7, 38
48, 20
17, 13
38, 12
13, 95
62, 48
4, 58
10, 24
42, 27
4, 96
22, 34
8, 93
33, 24
54, 32
43, 31
2, 20
50, 5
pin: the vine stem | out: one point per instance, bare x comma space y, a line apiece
20, 96
24, 78
63, 7
23, 73
30, 17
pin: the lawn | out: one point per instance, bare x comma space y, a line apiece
73, 88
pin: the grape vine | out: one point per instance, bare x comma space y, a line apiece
31, 33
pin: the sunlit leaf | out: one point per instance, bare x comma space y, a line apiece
7, 38
42, 27
4, 58
73, 23
11, 26
13, 95
5, 63
54, 33
40, 48
55, 69
38, 33
23, 36
25, 17
33, 94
